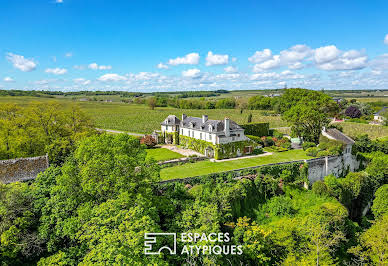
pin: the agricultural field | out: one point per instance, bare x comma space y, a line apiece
355, 129
161, 154
208, 167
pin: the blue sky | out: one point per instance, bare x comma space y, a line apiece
193, 45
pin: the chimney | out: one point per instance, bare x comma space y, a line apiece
184, 116
324, 129
204, 118
227, 127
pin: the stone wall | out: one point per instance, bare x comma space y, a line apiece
336, 165
22, 169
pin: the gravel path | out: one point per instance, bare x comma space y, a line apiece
184, 152
119, 132
242, 157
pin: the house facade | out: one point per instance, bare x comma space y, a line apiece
379, 115
214, 138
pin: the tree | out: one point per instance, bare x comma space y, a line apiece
249, 120
260, 103
151, 102
380, 203
307, 120
353, 112
148, 140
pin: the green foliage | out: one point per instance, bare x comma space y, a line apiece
226, 103
41, 128
260, 103
380, 203
307, 145
330, 147
256, 129
256, 139
313, 151
320, 188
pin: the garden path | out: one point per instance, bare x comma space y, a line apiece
184, 152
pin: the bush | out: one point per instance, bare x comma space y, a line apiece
148, 140
267, 141
324, 153
353, 112
320, 188
256, 129
277, 134
313, 151
256, 139
307, 145
336, 126
284, 143
257, 151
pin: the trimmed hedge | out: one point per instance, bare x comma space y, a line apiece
256, 129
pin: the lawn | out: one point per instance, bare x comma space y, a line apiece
161, 154
207, 167
355, 129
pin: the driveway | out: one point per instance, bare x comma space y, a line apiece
184, 152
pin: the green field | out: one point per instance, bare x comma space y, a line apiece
208, 167
356, 129
161, 154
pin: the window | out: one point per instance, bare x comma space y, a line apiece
167, 128
238, 135
200, 135
182, 131
232, 138
210, 136
192, 134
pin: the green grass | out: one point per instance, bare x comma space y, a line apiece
356, 129
161, 154
207, 167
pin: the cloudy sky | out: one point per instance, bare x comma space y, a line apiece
193, 45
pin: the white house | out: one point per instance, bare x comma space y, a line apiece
379, 115
214, 131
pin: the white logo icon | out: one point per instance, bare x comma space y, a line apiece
150, 238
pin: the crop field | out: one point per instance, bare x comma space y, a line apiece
140, 119
208, 167
161, 154
355, 129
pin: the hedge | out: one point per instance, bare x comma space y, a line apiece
256, 129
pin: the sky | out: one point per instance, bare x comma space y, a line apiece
193, 45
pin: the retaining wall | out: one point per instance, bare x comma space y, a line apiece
22, 169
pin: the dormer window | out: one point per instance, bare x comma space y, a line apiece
210, 128
192, 125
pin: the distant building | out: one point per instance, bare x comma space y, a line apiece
379, 115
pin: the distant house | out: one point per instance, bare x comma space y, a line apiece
224, 137
379, 115
335, 134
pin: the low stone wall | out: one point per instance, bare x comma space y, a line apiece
318, 168
182, 161
22, 169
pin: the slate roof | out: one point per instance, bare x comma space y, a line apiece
338, 135
171, 120
217, 125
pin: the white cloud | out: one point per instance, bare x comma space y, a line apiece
69, 54
380, 62
269, 64
326, 54
386, 39
296, 65
111, 77
8, 79
21, 63
230, 69
162, 66
260, 56
191, 73
56, 71
216, 59
82, 81
95, 66
296, 53
349, 60
59, 1
189, 59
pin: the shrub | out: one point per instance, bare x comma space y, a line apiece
277, 134
148, 140
267, 141
308, 144
353, 112
284, 143
313, 151
256, 139
380, 203
320, 188
336, 126
257, 151
256, 129
324, 153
